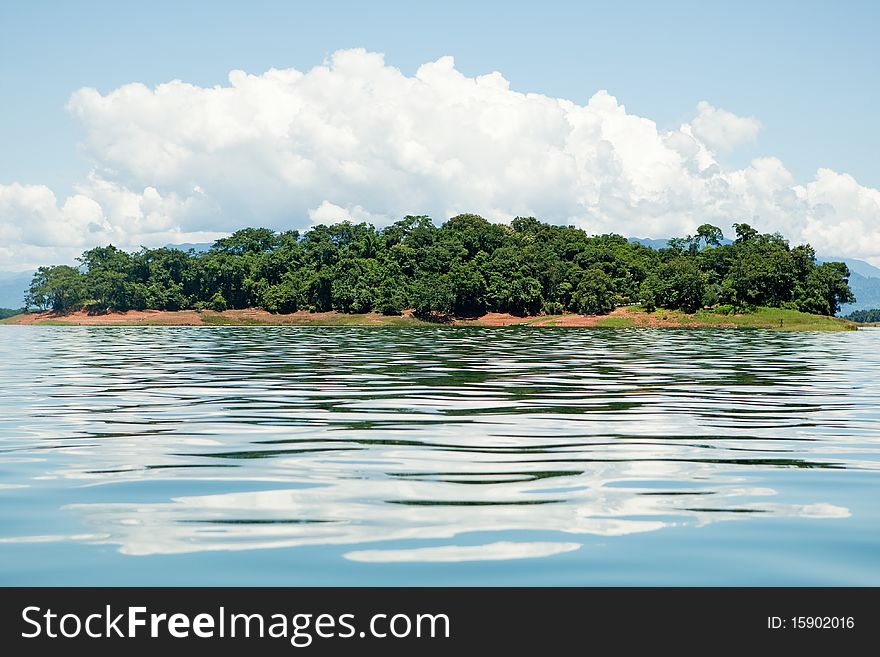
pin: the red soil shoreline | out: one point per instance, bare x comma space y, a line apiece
620, 316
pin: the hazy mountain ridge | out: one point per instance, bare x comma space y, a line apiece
12, 288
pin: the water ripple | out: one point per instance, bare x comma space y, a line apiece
163, 441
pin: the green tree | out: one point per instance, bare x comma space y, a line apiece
284, 297
391, 297
678, 285
826, 287
61, 288
464, 267
218, 302
763, 271
107, 277
594, 294
433, 294
710, 235
247, 240
862, 316
744, 233
474, 233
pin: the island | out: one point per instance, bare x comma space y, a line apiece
466, 272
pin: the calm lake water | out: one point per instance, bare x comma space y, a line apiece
349, 456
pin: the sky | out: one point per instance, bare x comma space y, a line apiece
164, 122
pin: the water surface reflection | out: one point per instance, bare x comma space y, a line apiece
401, 446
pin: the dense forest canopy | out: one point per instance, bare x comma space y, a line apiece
865, 316
465, 267
8, 312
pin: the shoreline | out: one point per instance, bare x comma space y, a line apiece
623, 317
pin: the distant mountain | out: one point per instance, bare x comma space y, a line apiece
661, 243
12, 287
867, 291
186, 246
864, 281
855, 266
651, 244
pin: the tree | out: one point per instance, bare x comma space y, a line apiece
433, 294
218, 303
317, 289
61, 288
247, 240
744, 233
679, 244
468, 290
391, 298
862, 316
474, 233
284, 297
827, 286
528, 225
678, 285
8, 312
107, 278
594, 294
710, 235
763, 272
465, 267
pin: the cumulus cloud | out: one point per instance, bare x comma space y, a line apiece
35, 229
328, 213
723, 130
355, 137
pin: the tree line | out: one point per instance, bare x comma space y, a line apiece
8, 312
865, 316
465, 267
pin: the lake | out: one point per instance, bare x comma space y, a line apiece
438, 456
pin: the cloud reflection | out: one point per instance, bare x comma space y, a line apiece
500, 551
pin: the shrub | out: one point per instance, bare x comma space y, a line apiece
218, 303
281, 298
552, 308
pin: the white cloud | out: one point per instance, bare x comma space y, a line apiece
329, 213
356, 137
723, 130
35, 230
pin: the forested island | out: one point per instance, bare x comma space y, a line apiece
463, 268
871, 316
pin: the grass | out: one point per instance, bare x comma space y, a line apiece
789, 320
615, 322
778, 319
228, 320
48, 322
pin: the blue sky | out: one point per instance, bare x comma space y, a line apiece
806, 70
